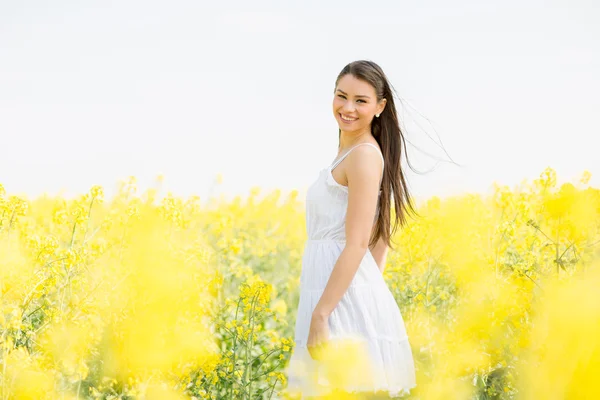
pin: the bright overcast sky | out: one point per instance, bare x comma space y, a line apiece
93, 92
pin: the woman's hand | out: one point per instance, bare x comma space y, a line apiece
318, 336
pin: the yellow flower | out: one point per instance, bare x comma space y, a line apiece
585, 177
280, 307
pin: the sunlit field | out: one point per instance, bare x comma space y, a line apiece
151, 296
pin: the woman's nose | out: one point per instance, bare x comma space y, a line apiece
348, 106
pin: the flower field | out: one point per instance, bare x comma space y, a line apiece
172, 298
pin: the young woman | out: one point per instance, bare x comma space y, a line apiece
348, 216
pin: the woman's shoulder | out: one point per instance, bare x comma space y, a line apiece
373, 144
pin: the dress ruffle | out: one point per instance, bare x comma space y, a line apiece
390, 371
367, 312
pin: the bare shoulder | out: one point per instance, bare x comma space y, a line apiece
374, 149
365, 162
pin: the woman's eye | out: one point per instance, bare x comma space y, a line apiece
339, 95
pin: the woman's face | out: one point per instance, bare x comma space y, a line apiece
355, 104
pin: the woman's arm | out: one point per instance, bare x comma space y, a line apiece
363, 172
379, 252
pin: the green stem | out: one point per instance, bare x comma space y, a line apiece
248, 371
234, 349
12, 217
273, 388
73, 234
88, 219
267, 354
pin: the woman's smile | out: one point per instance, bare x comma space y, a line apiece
347, 119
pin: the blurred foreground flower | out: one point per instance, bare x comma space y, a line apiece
563, 361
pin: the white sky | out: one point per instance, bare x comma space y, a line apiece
93, 92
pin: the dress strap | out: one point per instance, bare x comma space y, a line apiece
335, 164
339, 160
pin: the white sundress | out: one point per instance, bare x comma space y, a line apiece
367, 310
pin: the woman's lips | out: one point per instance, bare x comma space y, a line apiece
346, 121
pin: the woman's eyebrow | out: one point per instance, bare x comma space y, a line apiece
358, 95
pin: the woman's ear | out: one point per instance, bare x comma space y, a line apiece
382, 105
